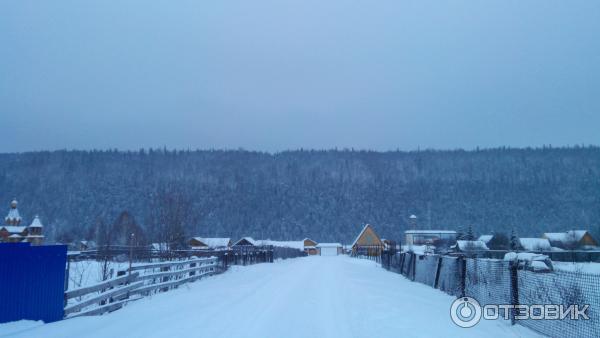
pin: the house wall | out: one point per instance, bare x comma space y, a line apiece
369, 237
312, 251
587, 239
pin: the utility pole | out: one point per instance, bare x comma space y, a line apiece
131, 251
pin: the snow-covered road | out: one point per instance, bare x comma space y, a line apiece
304, 297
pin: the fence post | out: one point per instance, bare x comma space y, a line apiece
401, 263
462, 268
437, 272
514, 289
414, 265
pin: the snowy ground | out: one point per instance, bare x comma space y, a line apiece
592, 268
304, 297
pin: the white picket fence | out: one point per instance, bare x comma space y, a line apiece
140, 281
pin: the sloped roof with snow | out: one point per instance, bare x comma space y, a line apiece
36, 223
556, 236
283, 244
248, 239
471, 245
14, 229
570, 235
535, 244
13, 214
485, 238
215, 242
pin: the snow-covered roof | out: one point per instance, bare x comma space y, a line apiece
15, 236
249, 239
526, 256
14, 229
283, 244
471, 245
13, 215
413, 232
535, 244
36, 223
216, 242
570, 235
485, 238
329, 245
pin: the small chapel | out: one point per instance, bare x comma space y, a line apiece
14, 232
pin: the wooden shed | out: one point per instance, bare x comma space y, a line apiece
367, 243
310, 246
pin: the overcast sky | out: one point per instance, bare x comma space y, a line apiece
284, 74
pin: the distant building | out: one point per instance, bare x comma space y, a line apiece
367, 243
496, 241
14, 232
203, 243
86, 245
535, 244
430, 237
246, 241
469, 246
310, 246
330, 249
571, 240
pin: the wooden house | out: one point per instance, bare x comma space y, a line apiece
310, 246
367, 243
571, 240
246, 241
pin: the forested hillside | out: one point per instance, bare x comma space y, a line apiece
325, 195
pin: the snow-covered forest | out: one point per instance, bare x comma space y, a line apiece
325, 195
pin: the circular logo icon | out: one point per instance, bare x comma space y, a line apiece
465, 312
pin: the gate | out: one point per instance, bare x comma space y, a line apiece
32, 282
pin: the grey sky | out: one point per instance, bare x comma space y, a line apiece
281, 74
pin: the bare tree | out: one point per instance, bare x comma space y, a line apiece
171, 213
104, 239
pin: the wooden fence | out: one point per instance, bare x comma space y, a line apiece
139, 281
172, 269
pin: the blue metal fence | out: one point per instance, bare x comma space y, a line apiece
32, 282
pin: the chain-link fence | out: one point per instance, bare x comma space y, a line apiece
494, 281
488, 281
562, 288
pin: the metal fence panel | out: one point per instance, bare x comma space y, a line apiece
449, 276
425, 269
32, 281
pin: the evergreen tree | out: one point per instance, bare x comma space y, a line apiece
515, 244
469, 236
460, 233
